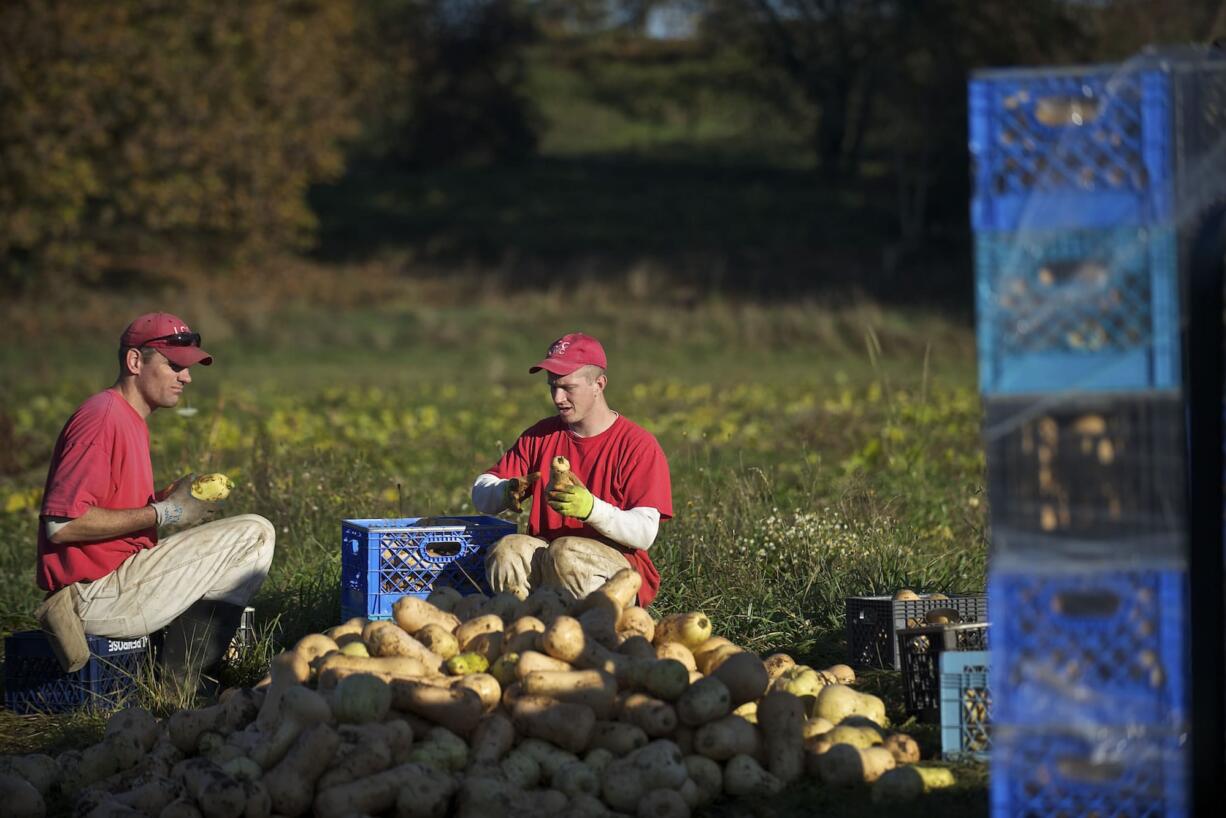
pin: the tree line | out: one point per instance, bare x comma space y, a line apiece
134, 126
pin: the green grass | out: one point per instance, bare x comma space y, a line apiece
815, 454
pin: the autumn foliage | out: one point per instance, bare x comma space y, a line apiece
128, 127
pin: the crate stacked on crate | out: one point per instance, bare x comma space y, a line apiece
921, 650
34, 682
873, 623
1090, 185
1086, 183
385, 559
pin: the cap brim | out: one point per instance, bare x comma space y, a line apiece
185, 356
555, 366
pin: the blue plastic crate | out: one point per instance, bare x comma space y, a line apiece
1091, 648
966, 704
1089, 773
1087, 310
922, 649
35, 683
385, 559
1086, 478
1094, 146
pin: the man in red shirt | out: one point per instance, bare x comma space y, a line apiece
580, 536
100, 559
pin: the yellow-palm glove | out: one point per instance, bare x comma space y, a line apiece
572, 501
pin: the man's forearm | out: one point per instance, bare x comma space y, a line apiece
634, 528
489, 494
104, 523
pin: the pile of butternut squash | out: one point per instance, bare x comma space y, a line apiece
476, 706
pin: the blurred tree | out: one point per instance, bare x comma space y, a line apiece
892, 75
130, 127
467, 101
1121, 28
387, 36
921, 111
832, 49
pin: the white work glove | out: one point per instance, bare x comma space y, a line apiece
180, 508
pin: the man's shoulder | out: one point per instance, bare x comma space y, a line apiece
96, 409
633, 432
103, 401
635, 442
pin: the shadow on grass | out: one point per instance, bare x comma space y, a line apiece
694, 222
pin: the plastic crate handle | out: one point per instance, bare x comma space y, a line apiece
1065, 111
1090, 603
1087, 271
1097, 772
444, 548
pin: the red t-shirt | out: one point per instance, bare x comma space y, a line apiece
623, 465
101, 459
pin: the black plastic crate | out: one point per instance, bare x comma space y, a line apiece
1096, 477
35, 683
920, 650
874, 621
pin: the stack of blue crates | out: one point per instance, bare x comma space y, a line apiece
1089, 186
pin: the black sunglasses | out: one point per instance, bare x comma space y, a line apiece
179, 339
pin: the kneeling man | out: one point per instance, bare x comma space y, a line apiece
581, 535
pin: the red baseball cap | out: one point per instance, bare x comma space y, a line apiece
169, 335
570, 352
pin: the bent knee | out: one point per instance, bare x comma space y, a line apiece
261, 533
568, 553
569, 545
516, 544
260, 526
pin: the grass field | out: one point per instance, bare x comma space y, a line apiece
815, 453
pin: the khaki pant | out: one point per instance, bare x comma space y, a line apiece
577, 565
226, 561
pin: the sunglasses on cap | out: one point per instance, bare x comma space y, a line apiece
179, 339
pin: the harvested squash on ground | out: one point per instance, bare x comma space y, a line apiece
908, 783
690, 629
846, 766
836, 702
487, 705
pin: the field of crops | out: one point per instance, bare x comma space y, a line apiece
815, 453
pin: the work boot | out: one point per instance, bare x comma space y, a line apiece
58, 617
192, 646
